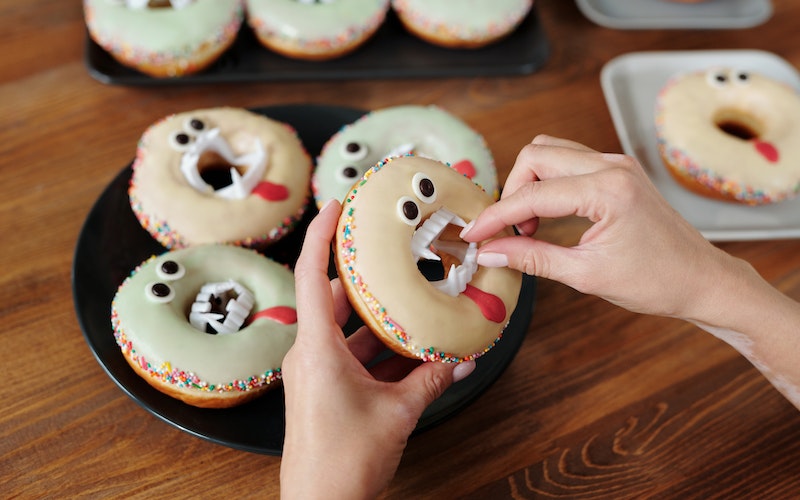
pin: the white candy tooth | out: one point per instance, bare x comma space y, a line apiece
201, 306
200, 320
245, 299
427, 253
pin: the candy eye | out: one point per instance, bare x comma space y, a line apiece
194, 125
717, 78
742, 77
354, 151
408, 211
423, 187
349, 174
170, 270
160, 293
180, 140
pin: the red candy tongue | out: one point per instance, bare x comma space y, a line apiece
465, 167
767, 150
270, 191
284, 315
490, 305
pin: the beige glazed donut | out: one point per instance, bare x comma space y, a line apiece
219, 175
404, 212
731, 135
208, 325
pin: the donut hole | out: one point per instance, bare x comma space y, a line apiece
221, 308
216, 171
433, 270
436, 270
739, 124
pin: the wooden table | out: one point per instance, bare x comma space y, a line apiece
599, 402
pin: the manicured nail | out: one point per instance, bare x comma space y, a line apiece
328, 203
466, 229
491, 259
462, 370
520, 231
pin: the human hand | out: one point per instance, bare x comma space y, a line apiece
639, 253
346, 425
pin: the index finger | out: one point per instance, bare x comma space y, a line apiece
520, 176
315, 307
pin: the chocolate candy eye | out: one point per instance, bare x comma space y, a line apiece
408, 211
160, 293
717, 78
423, 187
354, 151
180, 140
743, 77
170, 270
195, 124
350, 172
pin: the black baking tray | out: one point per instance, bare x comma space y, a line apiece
391, 53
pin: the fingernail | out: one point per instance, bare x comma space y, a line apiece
466, 229
491, 259
328, 203
520, 231
462, 370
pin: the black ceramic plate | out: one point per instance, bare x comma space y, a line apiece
391, 53
112, 243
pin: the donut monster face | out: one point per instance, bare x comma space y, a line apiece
420, 130
399, 250
219, 307
198, 309
210, 165
220, 175
731, 88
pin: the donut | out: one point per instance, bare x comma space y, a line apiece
467, 24
208, 325
219, 175
164, 38
730, 135
315, 29
424, 130
402, 219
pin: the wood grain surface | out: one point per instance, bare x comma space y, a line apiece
598, 403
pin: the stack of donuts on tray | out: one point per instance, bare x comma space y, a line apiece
169, 38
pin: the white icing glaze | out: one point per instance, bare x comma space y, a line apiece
690, 106
178, 214
427, 130
163, 36
315, 28
160, 333
379, 251
468, 20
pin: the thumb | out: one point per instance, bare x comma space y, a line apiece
429, 380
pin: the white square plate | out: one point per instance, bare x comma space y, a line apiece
667, 14
631, 83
